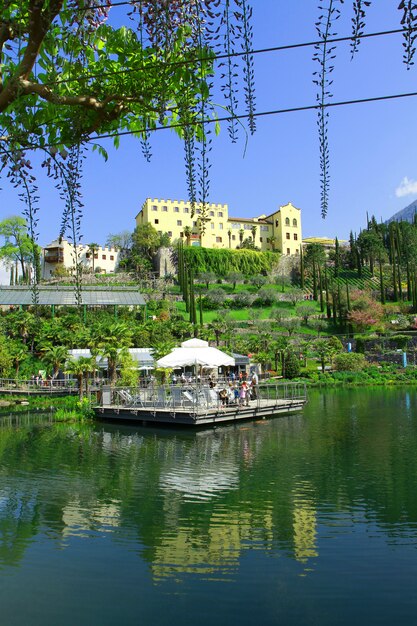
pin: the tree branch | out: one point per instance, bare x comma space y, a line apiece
39, 23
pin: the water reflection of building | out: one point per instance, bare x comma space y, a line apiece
200, 482
212, 554
304, 525
79, 521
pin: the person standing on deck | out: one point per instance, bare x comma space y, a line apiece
254, 386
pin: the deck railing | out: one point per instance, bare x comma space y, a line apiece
43, 387
200, 398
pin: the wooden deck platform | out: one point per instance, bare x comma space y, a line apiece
197, 415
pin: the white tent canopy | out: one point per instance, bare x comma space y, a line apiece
195, 352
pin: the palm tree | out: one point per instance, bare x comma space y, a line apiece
18, 353
253, 231
112, 343
55, 356
80, 368
229, 234
241, 235
92, 249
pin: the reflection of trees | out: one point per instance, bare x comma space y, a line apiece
195, 502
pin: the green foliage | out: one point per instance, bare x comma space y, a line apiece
17, 246
6, 360
349, 362
74, 411
291, 365
223, 261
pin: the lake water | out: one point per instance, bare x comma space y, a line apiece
305, 520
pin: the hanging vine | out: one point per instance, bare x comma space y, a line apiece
246, 35
358, 23
19, 172
229, 67
409, 22
204, 129
324, 56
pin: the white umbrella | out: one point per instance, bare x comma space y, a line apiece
195, 352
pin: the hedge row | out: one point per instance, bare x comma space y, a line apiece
223, 261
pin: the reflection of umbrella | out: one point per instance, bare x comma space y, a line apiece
195, 352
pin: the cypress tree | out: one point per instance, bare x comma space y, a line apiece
347, 297
393, 262
339, 305
314, 280
336, 257
185, 290
301, 267
321, 291
381, 282
398, 245
328, 307
200, 306
334, 307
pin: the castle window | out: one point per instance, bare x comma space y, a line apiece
156, 221
212, 226
176, 209
276, 222
234, 237
154, 207
294, 222
165, 208
288, 251
179, 222
186, 209
103, 256
111, 257
287, 221
220, 214
218, 239
211, 213
295, 237
221, 226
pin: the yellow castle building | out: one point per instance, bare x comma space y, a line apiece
213, 228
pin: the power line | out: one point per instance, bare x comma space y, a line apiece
221, 57
314, 107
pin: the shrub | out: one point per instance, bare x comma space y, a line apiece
242, 300
214, 299
349, 362
266, 297
292, 365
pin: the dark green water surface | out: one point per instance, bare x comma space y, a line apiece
310, 519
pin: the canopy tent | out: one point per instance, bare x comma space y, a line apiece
195, 352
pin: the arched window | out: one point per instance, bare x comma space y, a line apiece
287, 221
294, 222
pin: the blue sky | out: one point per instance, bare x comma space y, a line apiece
373, 165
